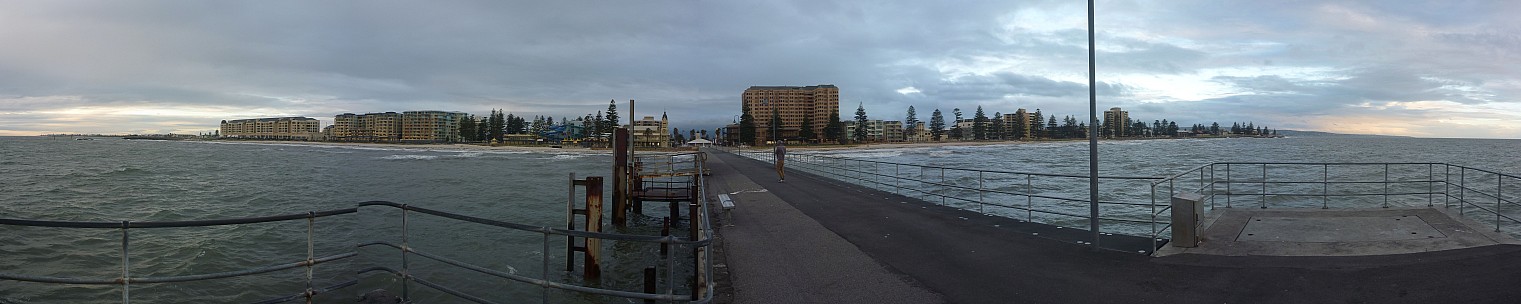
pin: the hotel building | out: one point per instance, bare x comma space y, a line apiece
649, 132
792, 104
279, 128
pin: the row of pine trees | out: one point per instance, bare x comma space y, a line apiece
985, 127
499, 124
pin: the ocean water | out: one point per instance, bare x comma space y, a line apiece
115, 180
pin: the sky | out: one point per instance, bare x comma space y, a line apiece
1411, 68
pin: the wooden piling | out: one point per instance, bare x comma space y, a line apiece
621, 195
593, 268
665, 230
649, 282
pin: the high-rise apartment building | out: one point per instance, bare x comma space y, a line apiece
279, 128
1114, 120
792, 104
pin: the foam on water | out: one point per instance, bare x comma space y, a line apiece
410, 157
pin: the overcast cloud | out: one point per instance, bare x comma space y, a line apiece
1433, 68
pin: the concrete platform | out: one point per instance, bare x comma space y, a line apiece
785, 247
1351, 232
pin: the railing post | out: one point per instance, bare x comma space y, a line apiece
1499, 197
1386, 185
1264, 186
697, 251
980, 205
544, 274
1430, 185
895, 179
1212, 182
1462, 187
406, 274
1153, 216
1325, 186
126, 275
311, 253
1029, 200
1228, 183
1446, 185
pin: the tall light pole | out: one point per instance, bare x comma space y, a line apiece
776, 119
1093, 182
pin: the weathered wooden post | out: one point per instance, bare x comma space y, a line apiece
593, 269
621, 195
649, 282
592, 209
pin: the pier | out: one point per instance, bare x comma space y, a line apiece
804, 241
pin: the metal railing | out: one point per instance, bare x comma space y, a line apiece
1031, 196
1354, 185
1477, 193
126, 280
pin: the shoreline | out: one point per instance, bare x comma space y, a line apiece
453, 146
931, 144
403, 146
814, 147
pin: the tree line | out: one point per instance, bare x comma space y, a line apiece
499, 124
982, 127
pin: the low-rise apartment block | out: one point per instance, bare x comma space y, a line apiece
392, 127
276, 128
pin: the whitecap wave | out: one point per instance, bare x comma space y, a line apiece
467, 155
870, 154
565, 156
410, 157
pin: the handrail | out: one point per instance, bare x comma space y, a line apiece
972, 170
1438, 182
126, 279
1444, 182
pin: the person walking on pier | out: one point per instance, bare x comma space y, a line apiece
780, 154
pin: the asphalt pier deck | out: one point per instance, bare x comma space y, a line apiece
815, 240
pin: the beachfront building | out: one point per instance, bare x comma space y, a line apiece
877, 130
1020, 120
392, 127
369, 127
275, 128
919, 134
431, 126
1114, 120
892, 131
649, 132
791, 104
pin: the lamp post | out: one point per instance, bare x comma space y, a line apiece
1093, 182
